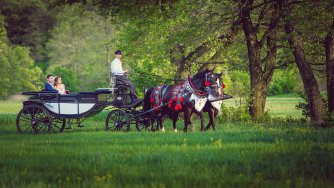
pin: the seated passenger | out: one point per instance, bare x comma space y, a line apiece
59, 86
48, 86
117, 71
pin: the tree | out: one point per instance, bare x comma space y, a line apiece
329, 49
78, 43
261, 39
295, 40
18, 72
27, 24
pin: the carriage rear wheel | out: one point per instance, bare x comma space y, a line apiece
57, 125
117, 120
33, 119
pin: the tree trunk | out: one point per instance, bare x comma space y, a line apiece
329, 46
309, 81
178, 59
260, 77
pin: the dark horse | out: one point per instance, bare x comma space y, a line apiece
170, 99
214, 102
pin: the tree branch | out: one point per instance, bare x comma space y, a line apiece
261, 4
284, 65
318, 64
272, 26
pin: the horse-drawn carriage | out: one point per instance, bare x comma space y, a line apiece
47, 112
51, 112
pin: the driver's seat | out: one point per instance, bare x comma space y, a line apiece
122, 91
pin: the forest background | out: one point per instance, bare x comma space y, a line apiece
262, 47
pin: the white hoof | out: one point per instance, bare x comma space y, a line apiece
175, 130
163, 129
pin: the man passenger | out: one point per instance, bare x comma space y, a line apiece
48, 86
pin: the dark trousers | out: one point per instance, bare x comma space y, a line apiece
125, 80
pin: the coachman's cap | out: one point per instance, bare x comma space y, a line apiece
118, 52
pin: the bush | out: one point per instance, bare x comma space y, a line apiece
284, 81
235, 114
305, 108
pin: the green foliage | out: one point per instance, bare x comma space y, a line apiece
79, 43
305, 108
27, 24
283, 82
18, 72
235, 114
238, 84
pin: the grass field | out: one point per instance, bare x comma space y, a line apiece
236, 155
280, 106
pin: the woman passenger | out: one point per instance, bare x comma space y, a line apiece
58, 85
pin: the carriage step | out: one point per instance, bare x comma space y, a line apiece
80, 126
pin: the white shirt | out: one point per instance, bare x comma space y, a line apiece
116, 67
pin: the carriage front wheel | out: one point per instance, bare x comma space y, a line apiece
117, 120
33, 119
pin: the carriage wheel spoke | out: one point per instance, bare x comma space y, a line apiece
57, 125
117, 120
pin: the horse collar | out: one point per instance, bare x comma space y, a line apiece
191, 88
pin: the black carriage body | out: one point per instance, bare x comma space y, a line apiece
72, 106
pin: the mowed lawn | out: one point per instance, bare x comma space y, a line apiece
236, 155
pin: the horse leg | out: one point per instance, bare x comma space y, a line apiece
157, 127
215, 113
211, 117
161, 124
187, 112
200, 115
153, 117
174, 117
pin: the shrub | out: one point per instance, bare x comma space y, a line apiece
305, 108
235, 114
284, 81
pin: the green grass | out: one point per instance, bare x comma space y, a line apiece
236, 155
10, 107
280, 106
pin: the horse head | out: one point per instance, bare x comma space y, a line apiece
209, 82
218, 85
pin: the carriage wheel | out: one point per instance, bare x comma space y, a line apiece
143, 124
33, 119
117, 120
57, 125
